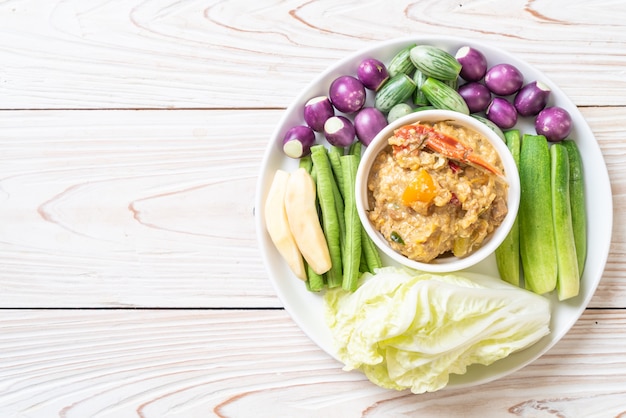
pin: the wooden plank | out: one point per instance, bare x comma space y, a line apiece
607, 130
163, 54
131, 208
155, 208
125, 363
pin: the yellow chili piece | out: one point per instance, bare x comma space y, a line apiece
421, 189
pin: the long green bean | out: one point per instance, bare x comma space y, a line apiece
340, 208
330, 222
315, 282
356, 148
306, 163
334, 154
508, 253
370, 252
352, 255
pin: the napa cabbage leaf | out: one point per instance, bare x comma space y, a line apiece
410, 330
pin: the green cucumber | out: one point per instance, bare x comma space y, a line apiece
419, 98
401, 62
577, 201
568, 278
395, 90
507, 254
453, 83
442, 96
537, 243
435, 62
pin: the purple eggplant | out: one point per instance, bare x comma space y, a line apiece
347, 94
476, 95
298, 141
532, 98
316, 111
555, 123
473, 63
368, 123
504, 79
502, 112
339, 131
372, 73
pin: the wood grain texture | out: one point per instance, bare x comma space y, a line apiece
131, 140
611, 291
166, 53
211, 363
131, 208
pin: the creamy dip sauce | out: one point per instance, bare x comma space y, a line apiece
427, 205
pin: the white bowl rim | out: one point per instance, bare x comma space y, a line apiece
447, 264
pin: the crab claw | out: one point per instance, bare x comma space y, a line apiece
427, 137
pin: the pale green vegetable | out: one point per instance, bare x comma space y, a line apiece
410, 330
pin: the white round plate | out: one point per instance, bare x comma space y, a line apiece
307, 308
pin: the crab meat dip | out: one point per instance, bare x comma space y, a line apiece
437, 190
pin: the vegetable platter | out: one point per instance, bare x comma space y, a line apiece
307, 308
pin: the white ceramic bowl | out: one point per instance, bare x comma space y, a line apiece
442, 263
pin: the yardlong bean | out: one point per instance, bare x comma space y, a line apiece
330, 221
352, 255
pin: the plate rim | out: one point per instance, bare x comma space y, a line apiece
532, 353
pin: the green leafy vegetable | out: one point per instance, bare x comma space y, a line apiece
409, 330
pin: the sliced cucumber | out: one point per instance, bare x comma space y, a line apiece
537, 244
577, 201
568, 279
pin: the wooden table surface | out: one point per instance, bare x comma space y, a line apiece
131, 138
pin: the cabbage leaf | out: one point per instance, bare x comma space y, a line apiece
411, 330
